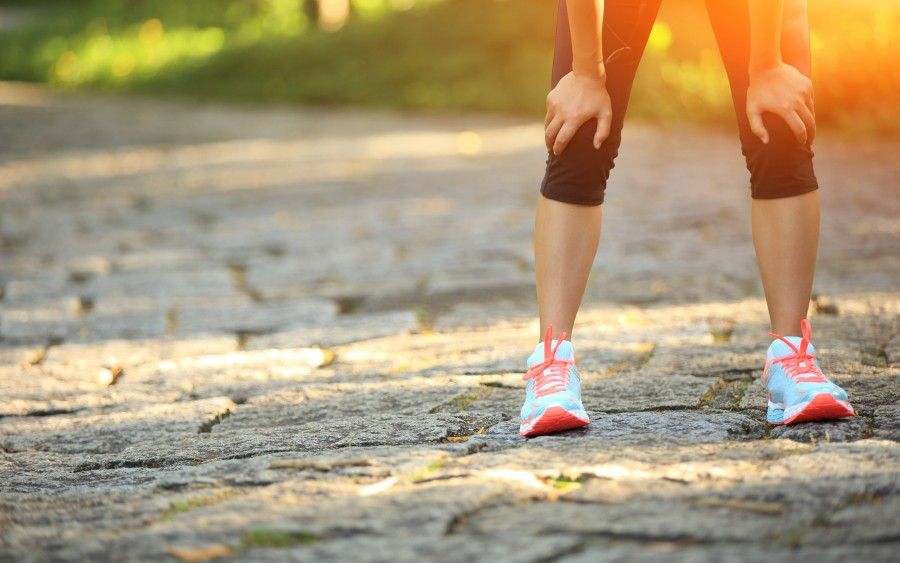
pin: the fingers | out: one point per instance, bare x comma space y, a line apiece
796, 125
603, 125
560, 132
565, 135
808, 101
756, 125
552, 130
809, 121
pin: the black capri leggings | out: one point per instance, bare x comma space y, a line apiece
781, 168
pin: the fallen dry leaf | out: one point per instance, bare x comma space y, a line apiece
35, 357
109, 376
200, 553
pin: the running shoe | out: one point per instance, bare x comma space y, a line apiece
798, 390
553, 389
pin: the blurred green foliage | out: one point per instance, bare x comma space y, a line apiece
428, 54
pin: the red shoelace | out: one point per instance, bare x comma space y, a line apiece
551, 375
800, 366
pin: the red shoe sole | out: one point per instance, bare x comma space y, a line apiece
555, 419
822, 407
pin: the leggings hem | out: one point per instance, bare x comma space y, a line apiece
798, 189
569, 199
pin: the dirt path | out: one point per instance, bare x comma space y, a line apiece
300, 334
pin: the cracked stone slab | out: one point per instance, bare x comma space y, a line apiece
786, 510
130, 353
647, 520
224, 442
112, 431
465, 315
54, 389
343, 389
164, 288
844, 430
253, 317
339, 330
623, 550
418, 549
643, 427
627, 393
719, 360
886, 422
868, 392
238, 373
324, 403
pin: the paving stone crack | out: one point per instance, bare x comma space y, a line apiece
238, 273
456, 524
578, 547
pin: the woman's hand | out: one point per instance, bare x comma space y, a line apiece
786, 92
576, 99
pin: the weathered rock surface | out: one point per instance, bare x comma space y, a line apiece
276, 334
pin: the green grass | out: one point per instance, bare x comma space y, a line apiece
564, 484
440, 55
181, 506
271, 538
427, 471
463, 402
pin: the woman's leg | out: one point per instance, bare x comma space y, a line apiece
785, 202
568, 218
786, 268
785, 224
566, 236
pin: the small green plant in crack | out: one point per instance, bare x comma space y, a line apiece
171, 321
80, 277
721, 336
464, 401
271, 538
710, 394
207, 426
424, 319
181, 506
863, 497
349, 304
348, 441
428, 471
460, 403
564, 484
794, 538
496, 385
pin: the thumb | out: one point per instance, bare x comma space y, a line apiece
756, 125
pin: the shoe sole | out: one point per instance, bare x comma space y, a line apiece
821, 407
554, 419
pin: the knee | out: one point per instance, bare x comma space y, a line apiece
780, 168
579, 174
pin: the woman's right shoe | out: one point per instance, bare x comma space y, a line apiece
553, 389
798, 390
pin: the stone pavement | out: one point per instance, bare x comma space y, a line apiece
280, 334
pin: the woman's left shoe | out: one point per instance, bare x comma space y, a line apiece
798, 390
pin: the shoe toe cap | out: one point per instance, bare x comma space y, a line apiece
839, 394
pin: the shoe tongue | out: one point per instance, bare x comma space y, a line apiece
778, 348
564, 352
